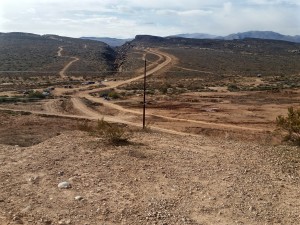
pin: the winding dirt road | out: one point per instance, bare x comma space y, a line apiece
88, 113
60, 49
168, 59
62, 73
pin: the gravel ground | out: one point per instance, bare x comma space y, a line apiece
156, 179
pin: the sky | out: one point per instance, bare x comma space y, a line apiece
127, 18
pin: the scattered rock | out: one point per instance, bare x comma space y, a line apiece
61, 173
64, 185
64, 222
34, 179
78, 198
17, 220
26, 209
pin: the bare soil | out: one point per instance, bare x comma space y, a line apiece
155, 179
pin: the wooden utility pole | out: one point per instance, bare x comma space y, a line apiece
144, 103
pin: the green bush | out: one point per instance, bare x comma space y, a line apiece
291, 124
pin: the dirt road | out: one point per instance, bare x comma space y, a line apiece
89, 113
60, 49
62, 73
168, 60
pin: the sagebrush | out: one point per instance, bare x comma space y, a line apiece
291, 124
113, 133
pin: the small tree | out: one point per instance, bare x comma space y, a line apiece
291, 124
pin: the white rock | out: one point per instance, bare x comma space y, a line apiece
64, 185
78, 198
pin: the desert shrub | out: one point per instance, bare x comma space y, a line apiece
36, 94
164, 88
4, 99
291, 124
110, 94
233, 87
85, 126
114, 95
113, 133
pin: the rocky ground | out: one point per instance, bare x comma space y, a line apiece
155, 179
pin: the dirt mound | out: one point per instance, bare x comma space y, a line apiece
158, 179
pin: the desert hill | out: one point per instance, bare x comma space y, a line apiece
36, 53
204, 63
248, 44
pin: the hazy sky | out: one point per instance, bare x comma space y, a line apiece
126, 18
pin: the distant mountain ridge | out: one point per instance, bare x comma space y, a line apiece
113, 42
196, 36
239, 36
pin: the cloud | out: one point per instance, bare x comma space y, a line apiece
127, 18
227, 8
274, 2
195, 13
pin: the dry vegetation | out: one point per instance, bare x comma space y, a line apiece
241, 65
30, 52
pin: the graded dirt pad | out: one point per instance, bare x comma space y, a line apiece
156, 179
27, 130
243, 109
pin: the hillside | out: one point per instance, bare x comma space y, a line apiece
201, 64
36, 55
29, 52
248, 45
